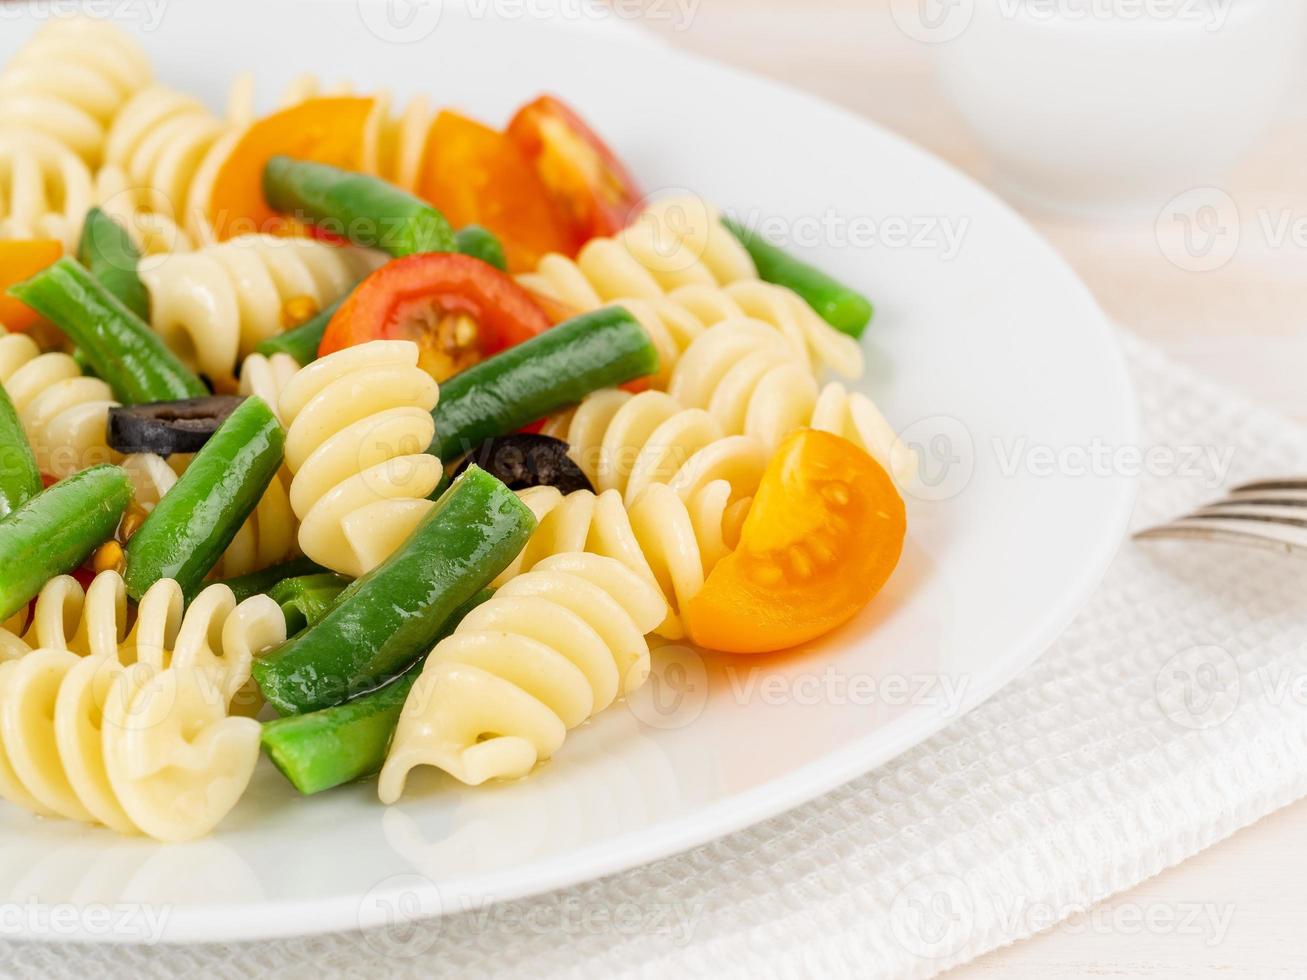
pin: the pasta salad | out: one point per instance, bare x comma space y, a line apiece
371, 437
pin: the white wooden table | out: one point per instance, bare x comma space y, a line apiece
1244, 324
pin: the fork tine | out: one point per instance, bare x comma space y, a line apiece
1275, 483
1241, 509
1278, 498
1262, 532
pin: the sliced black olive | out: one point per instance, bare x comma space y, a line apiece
525, 460
166, 428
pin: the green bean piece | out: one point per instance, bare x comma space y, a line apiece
196, 520
549, 372
306, 599
111, 256
365, 210
57, 530
482, 243
117, 343
334, 746
302, 342
393, 614
263, 581
843, 307
20, 479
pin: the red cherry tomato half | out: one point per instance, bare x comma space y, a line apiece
457, 308
584, 178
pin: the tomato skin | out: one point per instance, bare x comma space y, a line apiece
588, 183
21, 259
477, 175
822, 537
397, 299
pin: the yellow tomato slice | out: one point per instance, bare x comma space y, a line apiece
822, 537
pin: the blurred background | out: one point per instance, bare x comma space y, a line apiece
1188, 216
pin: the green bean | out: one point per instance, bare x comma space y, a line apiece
302, 342
20, 480
550, 371
262, 581
481, 243
56, 531
334, 746
306, 599
116, 342
392, 615
109, 254
844, 308
366, 210
189, 529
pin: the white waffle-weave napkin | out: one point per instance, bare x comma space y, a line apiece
1170, 714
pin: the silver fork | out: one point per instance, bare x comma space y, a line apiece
1266, 514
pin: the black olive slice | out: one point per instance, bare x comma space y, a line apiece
524, 460
166, 428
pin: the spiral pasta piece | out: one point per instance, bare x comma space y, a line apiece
64, 414
628, 442
213, 306
161, 159
670, 542
70, 80
744, 375
680, 271
45, 188
552, 649
358, 426
267, 377
133, 729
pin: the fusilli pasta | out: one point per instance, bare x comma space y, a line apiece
679, 271
161, 158
134, 729
213, 306
549, 651
45, 188
70, 80
665, 539
64, 414
358, 426
267, 377
627, 442
745, 376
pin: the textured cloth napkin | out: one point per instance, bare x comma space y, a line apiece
1170, 714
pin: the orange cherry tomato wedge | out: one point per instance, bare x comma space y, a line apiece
476, 175
457, 308
822, 537
21, 259
326, 130
587, 182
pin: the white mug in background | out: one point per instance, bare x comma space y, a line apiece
1116, 106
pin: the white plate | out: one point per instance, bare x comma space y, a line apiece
996, 360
